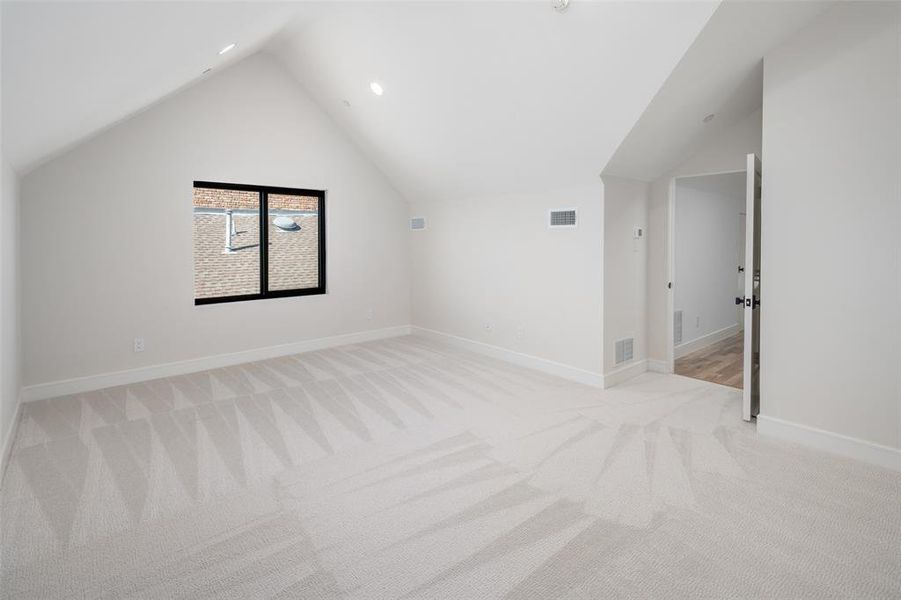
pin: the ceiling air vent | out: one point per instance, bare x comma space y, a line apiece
417, 223
562, 217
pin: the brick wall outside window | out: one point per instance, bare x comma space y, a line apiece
232, 199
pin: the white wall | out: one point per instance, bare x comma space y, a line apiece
10, 344
625, 269
9, 302
707, 247
726, 152
107, 231
493, 261
831, 209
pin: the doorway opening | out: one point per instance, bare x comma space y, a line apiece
713, 262
708, 276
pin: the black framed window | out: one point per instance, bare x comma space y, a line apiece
235, 258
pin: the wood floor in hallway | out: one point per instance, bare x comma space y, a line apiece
719, 363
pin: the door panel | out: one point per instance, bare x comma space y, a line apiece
740, 274
751, 391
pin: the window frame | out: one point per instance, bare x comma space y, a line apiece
264, 191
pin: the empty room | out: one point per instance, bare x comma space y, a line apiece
532, 300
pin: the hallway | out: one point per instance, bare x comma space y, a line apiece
718, 363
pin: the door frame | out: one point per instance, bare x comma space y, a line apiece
671, 262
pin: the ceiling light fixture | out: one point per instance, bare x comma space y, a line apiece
376, 88
709, 118
227, 48
561, 5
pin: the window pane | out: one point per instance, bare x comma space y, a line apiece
293, 242
226, 243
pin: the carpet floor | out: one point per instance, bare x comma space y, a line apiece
404, 468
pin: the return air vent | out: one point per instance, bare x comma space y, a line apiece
624, 350
562, 217
677, 327
417, 223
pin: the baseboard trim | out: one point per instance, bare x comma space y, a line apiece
827, 441
518, 358
11, 432
706, 340
625, 373
77, 385
658, 366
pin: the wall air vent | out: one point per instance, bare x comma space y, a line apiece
562, 218
624, 350
417, 223
677, 327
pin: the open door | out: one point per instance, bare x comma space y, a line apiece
751, 391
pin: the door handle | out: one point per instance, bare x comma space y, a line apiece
739, 300
752, 302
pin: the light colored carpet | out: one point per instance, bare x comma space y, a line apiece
406, 469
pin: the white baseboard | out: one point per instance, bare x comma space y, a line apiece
518, 358
8, 441
658, 366
625, 373
96, 382
835, 443
706, 340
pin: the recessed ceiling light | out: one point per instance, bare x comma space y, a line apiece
227, 48
376, 88
709, 118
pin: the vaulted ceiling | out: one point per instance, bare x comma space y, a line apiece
70, 69
486, 98
721, 74
480, 98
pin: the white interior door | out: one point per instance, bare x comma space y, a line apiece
751, 391
740, 272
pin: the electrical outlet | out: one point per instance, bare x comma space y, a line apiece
520, 332
369, 314
139, 344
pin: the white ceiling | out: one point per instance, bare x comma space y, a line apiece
490, 97
71, 69
480, 98
722, 73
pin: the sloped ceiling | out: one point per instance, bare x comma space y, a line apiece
486, 98
720, 74
480, 98
70, 69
